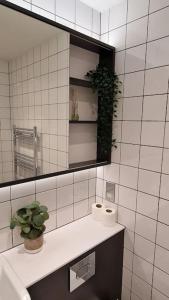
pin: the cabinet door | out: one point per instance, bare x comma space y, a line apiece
104, 285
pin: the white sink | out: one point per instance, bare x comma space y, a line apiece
10, 285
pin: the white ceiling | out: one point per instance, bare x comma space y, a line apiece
101, 5
19, 33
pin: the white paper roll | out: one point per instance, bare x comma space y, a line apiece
109, 217
97, 211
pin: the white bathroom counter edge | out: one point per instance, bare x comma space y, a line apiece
61, 246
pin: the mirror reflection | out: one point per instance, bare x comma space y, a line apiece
48, 119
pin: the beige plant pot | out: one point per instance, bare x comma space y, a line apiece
33, 246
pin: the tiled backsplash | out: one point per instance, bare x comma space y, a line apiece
68, 198
139, 30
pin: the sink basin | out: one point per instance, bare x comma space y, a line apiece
10, 285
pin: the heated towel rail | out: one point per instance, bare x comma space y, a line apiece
22, 160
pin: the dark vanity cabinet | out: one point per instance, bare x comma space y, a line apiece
105, 284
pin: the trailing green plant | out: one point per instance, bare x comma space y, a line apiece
107, 85
31, 219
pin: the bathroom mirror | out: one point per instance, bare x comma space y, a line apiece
48, 111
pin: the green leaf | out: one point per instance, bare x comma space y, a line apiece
26, 229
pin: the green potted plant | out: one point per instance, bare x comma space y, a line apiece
107, 85
31, 219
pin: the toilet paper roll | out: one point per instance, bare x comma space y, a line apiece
97, 211
109, 217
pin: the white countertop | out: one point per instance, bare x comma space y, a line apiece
61, 246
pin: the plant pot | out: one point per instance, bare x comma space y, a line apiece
33, 246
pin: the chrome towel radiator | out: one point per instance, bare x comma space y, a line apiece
21, 160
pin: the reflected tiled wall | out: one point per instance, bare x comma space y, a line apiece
68, 198
39, 96
139, 30
6, 166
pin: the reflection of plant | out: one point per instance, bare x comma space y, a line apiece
107, 85
31, 219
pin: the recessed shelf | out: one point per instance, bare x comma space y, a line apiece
82, 122
80, 82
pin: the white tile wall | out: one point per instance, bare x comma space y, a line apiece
142, 133
68, 197
71, 13
146, 274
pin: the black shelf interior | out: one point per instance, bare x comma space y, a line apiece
80, 82
82, 122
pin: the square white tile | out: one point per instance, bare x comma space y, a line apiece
111, 173
66, 9
156, 4
164, 189
153, 50
143, 269
48, 199
137, 9
23, 189
130, 155
105, 21
81, 191
156, 81
133, 84
47, 5
158, 102
5, 239
136, 32
147, 205
126, 217
166, 140
5, 214
160, 281
144, 248
117, 38
64, 215
83, 15
131, 105
162, 233
158, 24
127, 197
81, 209
131, 131
128, 176
64, 196
141, 288
4, 194
165, 167
118, 15
145, 227
152, 133
135, 59
45, 184
156, 295
163, 211
150, 158
162, 259
149, 182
